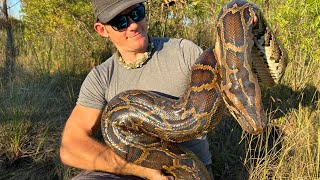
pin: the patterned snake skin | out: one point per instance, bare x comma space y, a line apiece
143, 127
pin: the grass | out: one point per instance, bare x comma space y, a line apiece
32, 116
36, 103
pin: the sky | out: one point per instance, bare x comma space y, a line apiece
14, 7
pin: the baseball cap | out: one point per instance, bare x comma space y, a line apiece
105, 10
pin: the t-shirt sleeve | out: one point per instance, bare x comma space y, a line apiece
190, 51
92, 91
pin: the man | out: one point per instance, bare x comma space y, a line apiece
142, 62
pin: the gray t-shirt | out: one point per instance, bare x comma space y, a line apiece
167, 72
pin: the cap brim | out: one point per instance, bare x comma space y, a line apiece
116, 8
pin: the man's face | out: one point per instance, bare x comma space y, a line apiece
134, 38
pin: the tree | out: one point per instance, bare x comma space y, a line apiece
10, 50
61, 35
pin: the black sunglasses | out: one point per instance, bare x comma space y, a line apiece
121, 21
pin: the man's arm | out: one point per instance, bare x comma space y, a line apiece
79, 149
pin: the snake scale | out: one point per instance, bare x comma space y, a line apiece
143, 127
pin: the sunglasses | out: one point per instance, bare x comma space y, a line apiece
122, 21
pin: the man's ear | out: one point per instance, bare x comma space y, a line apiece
101, 29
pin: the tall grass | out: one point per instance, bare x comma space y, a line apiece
35, 105
33, 112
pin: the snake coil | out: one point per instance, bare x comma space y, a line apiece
143, 127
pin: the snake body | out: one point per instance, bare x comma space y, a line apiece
143, 127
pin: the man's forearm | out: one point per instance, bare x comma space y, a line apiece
78, 149
85, 154
90, 154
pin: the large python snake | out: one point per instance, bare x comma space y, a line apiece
143, 127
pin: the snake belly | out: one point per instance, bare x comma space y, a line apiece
143, 127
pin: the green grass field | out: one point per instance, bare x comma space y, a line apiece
35, 104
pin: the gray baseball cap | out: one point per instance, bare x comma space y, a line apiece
105, 10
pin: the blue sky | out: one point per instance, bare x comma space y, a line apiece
14, 8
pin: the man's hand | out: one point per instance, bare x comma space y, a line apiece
143, 172
152, 174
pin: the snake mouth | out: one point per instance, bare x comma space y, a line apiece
252, 125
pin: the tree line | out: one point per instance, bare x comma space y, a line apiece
58, 32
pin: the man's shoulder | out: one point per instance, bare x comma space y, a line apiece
172, 42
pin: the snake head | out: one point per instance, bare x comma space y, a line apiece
251, 118
239, 87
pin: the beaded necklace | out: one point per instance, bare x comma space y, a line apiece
140, 61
